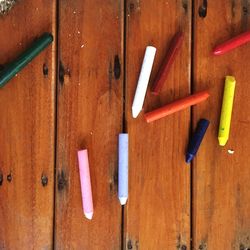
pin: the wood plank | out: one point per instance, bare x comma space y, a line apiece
27, 131
221, 189
158, 209
89, 116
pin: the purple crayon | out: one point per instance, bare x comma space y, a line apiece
123, 169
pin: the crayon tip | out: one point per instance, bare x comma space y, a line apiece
89, 215
135, 111
123, 200
217, 52
189, 157
222, 141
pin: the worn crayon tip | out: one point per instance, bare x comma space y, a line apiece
89, 215
222, 141
217, 52
135, 111
123, 200
189, 157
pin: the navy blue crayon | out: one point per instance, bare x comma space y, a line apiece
196, 139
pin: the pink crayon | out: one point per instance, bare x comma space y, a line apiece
87, 200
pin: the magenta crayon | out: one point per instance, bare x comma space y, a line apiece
87, 200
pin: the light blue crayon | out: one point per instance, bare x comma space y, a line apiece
123, 169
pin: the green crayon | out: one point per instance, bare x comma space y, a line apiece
11, 69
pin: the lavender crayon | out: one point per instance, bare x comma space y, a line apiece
123, 169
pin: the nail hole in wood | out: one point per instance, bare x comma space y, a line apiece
202, 246
185, 5
61, 73
129, 245
245, 10
45, 70
9, 177
44, 180
203, 9
183, 247
131, 7
117, 67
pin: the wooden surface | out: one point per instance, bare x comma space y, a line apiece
89, 116
27, 106
221, 189
158, 210
97, 56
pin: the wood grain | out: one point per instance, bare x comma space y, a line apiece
90, 103
27, 131
221, 189
158, 209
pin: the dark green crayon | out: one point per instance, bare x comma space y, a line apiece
10, 70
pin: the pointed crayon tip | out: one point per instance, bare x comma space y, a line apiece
89, 215
189, 157
222, 141
123, 200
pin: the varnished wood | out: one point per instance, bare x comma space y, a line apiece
158, 209
90, 103
221, 189
27, 131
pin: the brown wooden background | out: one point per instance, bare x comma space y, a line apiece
78, 93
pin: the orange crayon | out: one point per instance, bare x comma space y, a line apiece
176, 106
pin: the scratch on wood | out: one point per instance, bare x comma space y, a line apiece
113, 185
233, 8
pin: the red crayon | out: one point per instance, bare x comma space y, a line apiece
176, 106
232, 43
169, 59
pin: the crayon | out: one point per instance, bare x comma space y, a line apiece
196, 139
143, 80
27, 56
123, 169
232, 44
226, 110
176, 106
87, 200
162, 75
